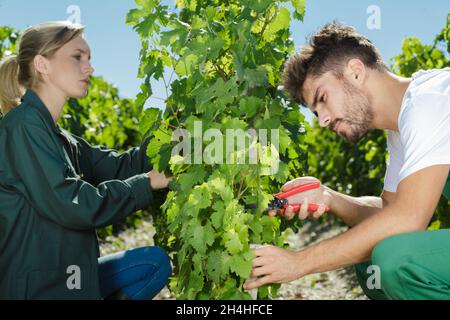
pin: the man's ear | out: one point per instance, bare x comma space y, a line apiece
41, 64
356, 71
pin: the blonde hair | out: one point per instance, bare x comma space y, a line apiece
17, 72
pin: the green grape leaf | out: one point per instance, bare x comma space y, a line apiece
299, 7
242, 264
149, 121
232, 242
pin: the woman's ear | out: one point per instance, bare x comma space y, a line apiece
41, 64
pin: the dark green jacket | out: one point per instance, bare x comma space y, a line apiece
55, 190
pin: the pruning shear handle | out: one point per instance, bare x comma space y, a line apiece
280, 202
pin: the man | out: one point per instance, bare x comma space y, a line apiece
340, 76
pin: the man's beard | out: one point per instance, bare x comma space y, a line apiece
358, 114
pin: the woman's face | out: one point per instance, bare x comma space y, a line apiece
69, 68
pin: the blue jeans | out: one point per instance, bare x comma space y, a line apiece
137, 274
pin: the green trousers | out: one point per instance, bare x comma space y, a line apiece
413, 265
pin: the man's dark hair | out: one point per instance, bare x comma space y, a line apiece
329, 49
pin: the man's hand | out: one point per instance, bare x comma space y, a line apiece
158, 180
274, 265
320, 196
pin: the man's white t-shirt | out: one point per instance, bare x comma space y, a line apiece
423, 139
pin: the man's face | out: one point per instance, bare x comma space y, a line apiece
339, 105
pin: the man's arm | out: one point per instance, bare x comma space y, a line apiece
413, 206
353, 210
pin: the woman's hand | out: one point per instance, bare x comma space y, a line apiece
158, 180
320, 196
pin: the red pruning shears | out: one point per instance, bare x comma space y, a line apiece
280, 202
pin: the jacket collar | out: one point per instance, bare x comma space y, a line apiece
33, 99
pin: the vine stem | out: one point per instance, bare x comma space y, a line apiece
221, 72
243, 192
157, 98
266, 23
169, 125
241, 183
167, 95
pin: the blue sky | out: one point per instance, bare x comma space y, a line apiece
115, 46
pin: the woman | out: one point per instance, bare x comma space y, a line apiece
56, 189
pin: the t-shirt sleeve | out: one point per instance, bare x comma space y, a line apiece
394, 162
425, 133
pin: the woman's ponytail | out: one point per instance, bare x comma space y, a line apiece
10, 89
